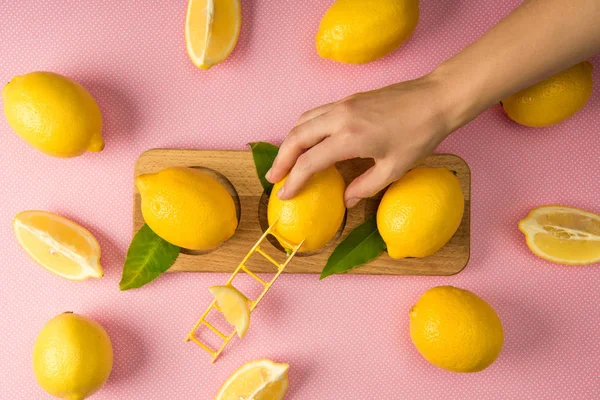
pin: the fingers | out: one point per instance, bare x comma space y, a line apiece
320, 157
315, 112
371, 182
301, 138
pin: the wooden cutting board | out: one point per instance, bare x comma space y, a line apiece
235, 169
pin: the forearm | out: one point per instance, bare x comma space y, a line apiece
537, 40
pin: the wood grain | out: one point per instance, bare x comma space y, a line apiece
237, 168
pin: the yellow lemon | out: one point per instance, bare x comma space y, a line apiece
212, 28
256, 380
313, 215
54, 114
61, 246
72, 357
420, 212
360, 31
552, 100
234, 306
456, 330
187, 207
563, 235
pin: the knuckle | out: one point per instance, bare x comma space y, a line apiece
305, 115
346, 107
347, 137
303, 162
389, 171
292, 140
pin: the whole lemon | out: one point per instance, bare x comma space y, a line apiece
187, 207
420, 212
456, 330
360, 31
54, 114
552, 100
314, 214
72, 357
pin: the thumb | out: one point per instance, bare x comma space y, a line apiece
370, 183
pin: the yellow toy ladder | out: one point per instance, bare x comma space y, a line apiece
266, 285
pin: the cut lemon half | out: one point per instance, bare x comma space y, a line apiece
59, 245
563, 235
234, 306
256, 380
212, 28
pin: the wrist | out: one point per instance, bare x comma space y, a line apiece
462, 96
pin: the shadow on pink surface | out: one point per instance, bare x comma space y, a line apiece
129, 351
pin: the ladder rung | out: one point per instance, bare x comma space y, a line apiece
199, 343
268, 257
282, 241
215, 330
252, 274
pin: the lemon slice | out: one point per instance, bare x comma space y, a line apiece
59, 245
212, 28
563, 235
256, 380
234, 306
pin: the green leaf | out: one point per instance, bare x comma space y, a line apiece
148, 256
362, 245
264, 154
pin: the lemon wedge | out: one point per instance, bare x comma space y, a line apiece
234, 306
563, 235
59, 245
256, 380
212, 28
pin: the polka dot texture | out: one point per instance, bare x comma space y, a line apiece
346, 337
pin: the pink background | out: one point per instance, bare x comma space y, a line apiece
346, 337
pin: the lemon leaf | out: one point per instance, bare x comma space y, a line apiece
148, 256
264, 154
362, 245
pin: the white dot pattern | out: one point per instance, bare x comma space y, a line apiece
346, 337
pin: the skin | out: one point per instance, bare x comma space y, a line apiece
399, 124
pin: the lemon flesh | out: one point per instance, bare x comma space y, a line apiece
72, 357
54, 114
61, 246
234, 306
420, 212
187, 207
456, 330
563, 235
314, 214
212, 28
361, 31
256, 380
552, 100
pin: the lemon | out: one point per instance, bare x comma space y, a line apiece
187, 207
420, 212
552, 100
212, 28
563, 235
234, 306
360, 31
72, 357
456, 330
256, 380
53, 114
314, 214
61, 246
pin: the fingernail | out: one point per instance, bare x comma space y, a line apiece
280, 193
268, 175
352, 202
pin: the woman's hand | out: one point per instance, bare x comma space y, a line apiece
396, 126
